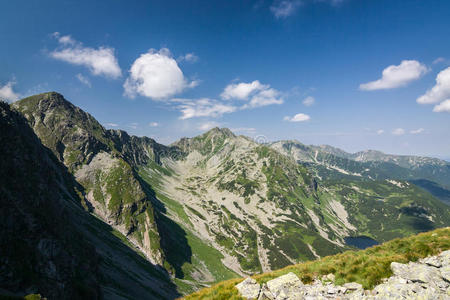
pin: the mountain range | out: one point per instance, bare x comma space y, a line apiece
98, 213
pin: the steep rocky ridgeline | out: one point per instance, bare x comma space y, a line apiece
50, 245
36, 252
101, 163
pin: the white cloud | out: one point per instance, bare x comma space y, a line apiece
83, 80
284, 8
308, 101
298, 118
242, 91
208, 125
254, 92
153, 124
417, 131
438, 60
65, 39
398, 131
380, 131
7, 92
156, 75
192, 108
440, 91
101, 61
112, 124
442, 107
397, 76
263, 98
189, 57
244, 129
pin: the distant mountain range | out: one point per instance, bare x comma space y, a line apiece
198, 211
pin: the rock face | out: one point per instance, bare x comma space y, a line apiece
49, 243
36, 252
103, 163
425, 279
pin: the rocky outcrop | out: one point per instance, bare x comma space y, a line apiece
426, 279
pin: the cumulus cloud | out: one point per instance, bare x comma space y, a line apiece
153, 124
242, 91
189, 57
398, 131
205, 107
442, 107
380, 131
284, 8
440, 91
397, 76
100, 61
208, 125
83, 80
417, 131
156, 75
297, 118
255, 93
308, 101
7, 92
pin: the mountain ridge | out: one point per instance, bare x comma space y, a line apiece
219, 205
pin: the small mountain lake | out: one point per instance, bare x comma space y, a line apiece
361, 242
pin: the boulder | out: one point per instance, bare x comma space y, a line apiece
265, 293
288, 286
249, 288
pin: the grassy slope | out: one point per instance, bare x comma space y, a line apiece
367, 267
199, 253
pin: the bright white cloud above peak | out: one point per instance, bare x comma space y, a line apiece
156, 75
397, 76
7, 93
101, 61
440, 92
298, 118
242, 91
256, 93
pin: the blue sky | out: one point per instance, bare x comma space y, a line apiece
356, 74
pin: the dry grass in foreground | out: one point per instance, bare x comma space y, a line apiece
367, 267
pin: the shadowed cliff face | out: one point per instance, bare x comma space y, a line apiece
41, 249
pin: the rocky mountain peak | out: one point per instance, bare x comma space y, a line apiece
216, 131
